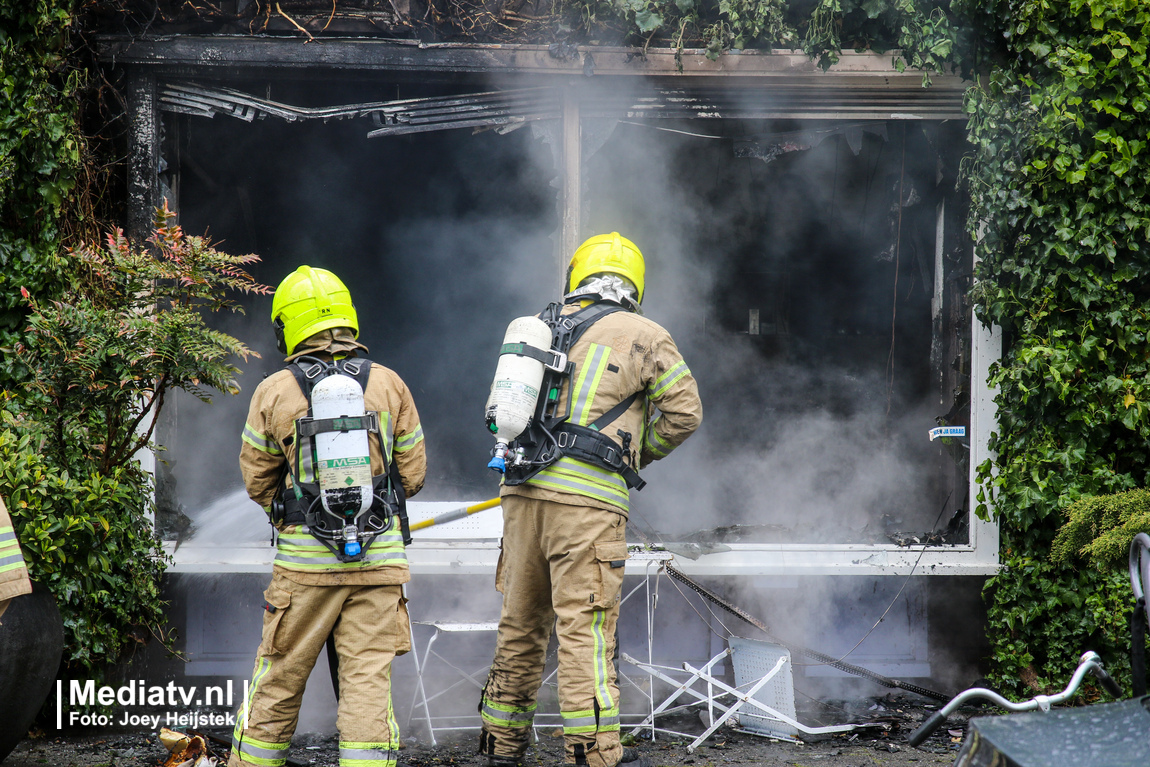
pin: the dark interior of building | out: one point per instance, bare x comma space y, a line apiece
794, 262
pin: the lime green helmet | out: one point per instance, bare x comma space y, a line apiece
308, 301
609, 253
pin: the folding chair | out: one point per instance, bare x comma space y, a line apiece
759, 719
421, 699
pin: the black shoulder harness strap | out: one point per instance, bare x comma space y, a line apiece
552, 435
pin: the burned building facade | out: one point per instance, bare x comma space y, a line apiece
806, 245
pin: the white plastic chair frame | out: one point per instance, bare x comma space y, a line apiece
711, 698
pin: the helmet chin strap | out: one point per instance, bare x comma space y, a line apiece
607, 287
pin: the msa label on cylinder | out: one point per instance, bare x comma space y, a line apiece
342, 473
516, 393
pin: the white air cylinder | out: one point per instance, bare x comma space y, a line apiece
343, 459
515, 389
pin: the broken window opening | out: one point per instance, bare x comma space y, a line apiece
773, 248
804, 291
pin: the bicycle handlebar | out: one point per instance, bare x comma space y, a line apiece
1140, 569
1089, 663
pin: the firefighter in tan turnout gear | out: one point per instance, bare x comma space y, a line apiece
14, 581
331, 447
623, 397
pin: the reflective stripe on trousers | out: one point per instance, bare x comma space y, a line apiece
367, 754
576, 722
506, 716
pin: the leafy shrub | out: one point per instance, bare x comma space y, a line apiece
1043, 616
128, 328
40, 156
89, 539
1059, 193
1100, 528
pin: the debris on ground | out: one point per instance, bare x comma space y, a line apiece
892, 718
186, 750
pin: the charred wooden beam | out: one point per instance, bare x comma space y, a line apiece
867, 75
143, 154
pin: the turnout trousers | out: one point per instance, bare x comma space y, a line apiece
560, 565
371, 627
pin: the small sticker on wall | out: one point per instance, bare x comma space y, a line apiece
947, 431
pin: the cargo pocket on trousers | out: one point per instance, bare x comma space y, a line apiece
611, 557
277, 601
402, 628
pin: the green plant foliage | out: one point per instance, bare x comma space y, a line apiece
89, 539
40, 153
822, 28
1100, 529
130, 328
1043, 616
1059, 190
923, 32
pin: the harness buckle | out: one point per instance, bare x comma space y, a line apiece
559, 364
313, 371
566, 439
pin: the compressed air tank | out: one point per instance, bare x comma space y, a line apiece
343, 458
515, 389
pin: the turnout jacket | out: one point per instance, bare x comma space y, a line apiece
269, 441
14, 580
620, 354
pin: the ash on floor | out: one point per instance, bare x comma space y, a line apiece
892, 719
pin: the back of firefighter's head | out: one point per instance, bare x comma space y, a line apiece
308, 301
607, 254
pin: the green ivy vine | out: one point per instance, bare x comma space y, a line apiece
1060, 194
40, 156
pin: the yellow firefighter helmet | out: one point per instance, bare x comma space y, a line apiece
308, 301
607, 253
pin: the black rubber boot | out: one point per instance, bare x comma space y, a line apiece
632, 758
504, 761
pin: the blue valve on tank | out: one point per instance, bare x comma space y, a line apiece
351, 545
497, 462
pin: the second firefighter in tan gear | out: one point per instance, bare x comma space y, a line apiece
312, 593
564, 530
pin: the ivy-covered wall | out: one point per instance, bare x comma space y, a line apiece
1057, 175
1060, 188
40, 150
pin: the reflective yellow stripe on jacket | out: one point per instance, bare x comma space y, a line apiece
301, 551
10, 557
260, 441
570, 475
408, 441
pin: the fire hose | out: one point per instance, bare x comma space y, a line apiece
813, 654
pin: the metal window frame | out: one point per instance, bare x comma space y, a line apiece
867, 85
